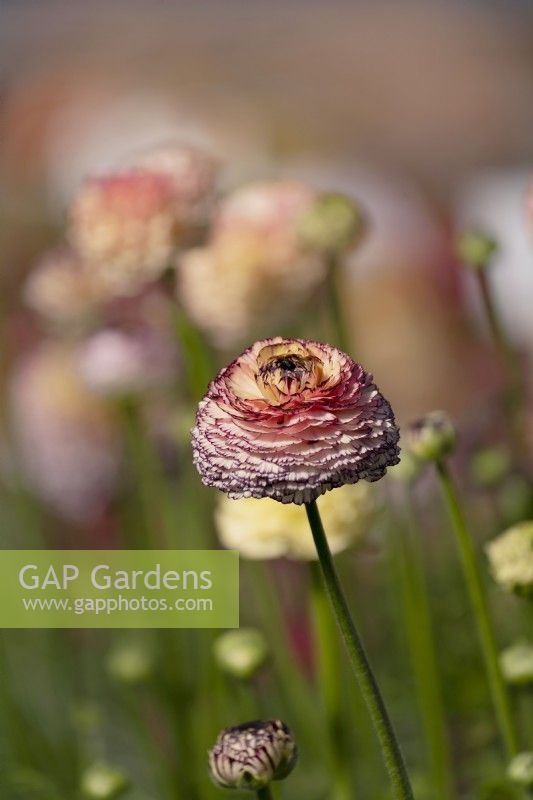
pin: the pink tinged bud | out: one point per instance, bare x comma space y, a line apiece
291, 419
252, 755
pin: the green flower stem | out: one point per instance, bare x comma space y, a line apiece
330, 670
417, 617
342, 337
159, 517
514, 390
264, 793
478, 599
393, 758
199, 367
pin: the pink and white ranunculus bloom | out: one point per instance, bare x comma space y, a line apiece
127, 224
291, 419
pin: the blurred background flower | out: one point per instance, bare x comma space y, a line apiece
64, 435
268, 529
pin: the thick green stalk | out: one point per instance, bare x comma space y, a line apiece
401, 787
480, 607
264, 793
342, 337
330, 670
418, 624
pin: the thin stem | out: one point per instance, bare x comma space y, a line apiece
329, 670
341, 333
264, 793
418, 623
480, 607
198, 361
509, 361
392, 756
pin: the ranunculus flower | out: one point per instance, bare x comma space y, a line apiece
127, 224
193, 173
257, 268
291, 419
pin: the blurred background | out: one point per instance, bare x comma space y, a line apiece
423, 112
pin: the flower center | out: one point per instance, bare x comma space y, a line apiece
284, 374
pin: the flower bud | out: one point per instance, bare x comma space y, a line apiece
520, 770
252, 755
517, 663
241, 652
432, 437
333, 224
511, 558
103, 782
130, 662
476, 249
489, 466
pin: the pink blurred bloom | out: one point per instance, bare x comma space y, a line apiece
67, 447
127, 225
112, 361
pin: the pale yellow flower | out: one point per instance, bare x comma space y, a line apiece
511, 558
263, 529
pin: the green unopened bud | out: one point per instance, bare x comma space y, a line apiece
520, 769
130, 661
241, 652
252, 755
490, 466
103, 782
511, 558
517, 663
432, 437
476, 249
332, 225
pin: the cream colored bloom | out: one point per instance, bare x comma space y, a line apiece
511, 558
60, 290
256, 269
267, 529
